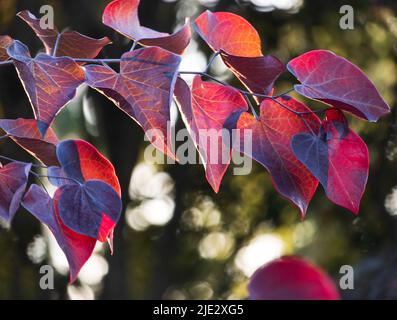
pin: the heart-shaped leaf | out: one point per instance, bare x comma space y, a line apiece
338, 158
122, 16
26, 134
239, 45
5, 42
91, 208
291, 278
81, 161
205, 110
13, 180
70, 43
271, 138
229, 32
258, 74
334, 80
77, 247
50, 82
143, 89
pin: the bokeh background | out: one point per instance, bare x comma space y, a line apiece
177, 239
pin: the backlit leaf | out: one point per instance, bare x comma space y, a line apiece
91, 208
258, 74
122, 16
271, 139
86, 178
70, 43
240, 48
291, 278
229, 32
77, 247
143, 89
26, 134
82, 161
205, 110
338, 158
336, 81
13, 180
50, 82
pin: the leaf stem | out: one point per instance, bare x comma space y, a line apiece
6, 63
246, 97
55, 50
211, 60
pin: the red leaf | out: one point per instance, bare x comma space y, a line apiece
82, 161
258, 74
291, 278
26, 134
271, 138
240, 47
50, 82
338, 158
230, 33
77, 248
90, 208
206, 110
143, 89
70, 43
13, 180
122, 16
338, 82
5, 42
84, 169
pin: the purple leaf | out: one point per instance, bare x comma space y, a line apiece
92, 208
77, 248
338, 158
336, 81
49, 82
143, 89
13, 181
258, 74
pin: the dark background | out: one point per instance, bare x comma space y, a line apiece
194, 254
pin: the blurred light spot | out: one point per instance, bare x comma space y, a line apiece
174, 294
80, 293
135, 220
91, 121
216, 245
157, 212
208, 3
267, 5
193, 60
260, 250
201, 291
147, 183
94, 270
205, 215
154, 190
37, 249
391, 202
304, 233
